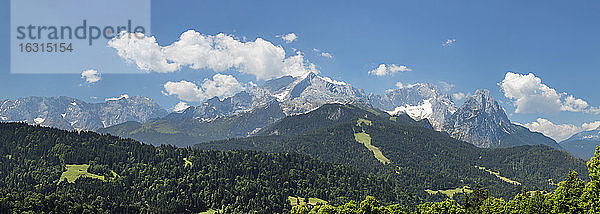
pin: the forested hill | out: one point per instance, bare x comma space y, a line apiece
412, 155
51, 170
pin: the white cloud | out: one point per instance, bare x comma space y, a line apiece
218, 53
388, 69
530, 95
446, 86
590, 126
91, 76
323, 53
220, 86
180, 107
458, 96
126, 96
289, 38
327, 55
559, 132
448, 42
574, 104
401, 85
145, 52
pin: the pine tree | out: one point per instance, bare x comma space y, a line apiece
590, 200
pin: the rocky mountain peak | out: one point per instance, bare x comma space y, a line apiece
420, 101
481, 102
483, 122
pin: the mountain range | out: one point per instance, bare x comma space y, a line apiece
73, 114
582, 144
410, 151
480, 120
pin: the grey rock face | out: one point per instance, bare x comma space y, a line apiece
73, 114
434, 105
483, 122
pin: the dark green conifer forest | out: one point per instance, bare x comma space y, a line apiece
115, 175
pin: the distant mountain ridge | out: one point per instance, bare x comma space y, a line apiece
73, 114
583, 144
480, 120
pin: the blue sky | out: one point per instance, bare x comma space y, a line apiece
557, 41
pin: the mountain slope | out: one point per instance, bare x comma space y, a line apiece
130, 177
420, 101
417, 156
582, 144
73, 114
480, 120
483, 122
181, 130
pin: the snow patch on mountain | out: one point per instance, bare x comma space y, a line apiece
281, 96
329, 80
416, 112
126, 96
38, 120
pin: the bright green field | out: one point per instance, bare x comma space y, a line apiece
361, 121
497, 174
365, 139
187, 162
75, 171
312, 201
450, 192
210, 211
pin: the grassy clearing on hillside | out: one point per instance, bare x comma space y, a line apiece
210, 211
75, 171
497, 174
361, 121
393, 119
450, 192
187, 162
312, 201
365, 139
158, 126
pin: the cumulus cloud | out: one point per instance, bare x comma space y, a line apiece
383, 69
145, 52
448, 42
289, 38
220, 86
91, 76
559, 132
458, 96
218, 53
180, 107
126, 96
530, 95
